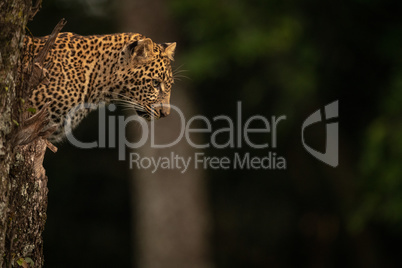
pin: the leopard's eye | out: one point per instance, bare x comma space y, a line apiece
156, 83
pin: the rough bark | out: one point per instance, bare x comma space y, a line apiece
13, 18
23, 183
27, 206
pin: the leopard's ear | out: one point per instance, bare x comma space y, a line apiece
169, 50
141, 51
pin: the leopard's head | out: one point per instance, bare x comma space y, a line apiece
144, 77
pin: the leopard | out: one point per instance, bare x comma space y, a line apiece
84, 72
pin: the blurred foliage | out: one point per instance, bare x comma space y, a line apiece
261, 43
381, 159
287, 57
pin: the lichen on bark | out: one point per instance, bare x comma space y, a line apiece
23, 184
29, 203
12, 23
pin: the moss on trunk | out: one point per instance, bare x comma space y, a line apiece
23, 184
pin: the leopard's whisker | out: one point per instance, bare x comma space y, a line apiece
124, 98
129, 104
122, 95
180, 76
178, 69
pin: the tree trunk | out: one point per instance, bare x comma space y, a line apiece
171, 207
23, 184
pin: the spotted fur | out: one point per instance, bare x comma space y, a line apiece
89, 70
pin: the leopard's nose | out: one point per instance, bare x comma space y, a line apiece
163, 109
